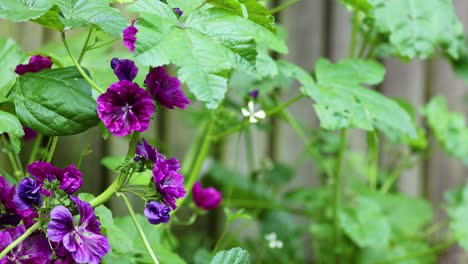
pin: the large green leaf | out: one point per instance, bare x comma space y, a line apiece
233, 256
415, 28
205, 47
24, 10
341, 101
449, 128
249, 9
10, 56
403, 252
10, 124
55, 102
365, 223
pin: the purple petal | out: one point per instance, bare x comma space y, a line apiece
206, 198
124, 69
43, 170
71, 179
60, 225
157, 213
90, 248
166, 89
88, 219
129, 36
36, 63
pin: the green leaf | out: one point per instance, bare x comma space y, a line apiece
449, 128
233, 256
24, 10
113, 162
341, 101
365, 223
184, 5
205, 48
362, 5
249, 9
51, 19
10, 124
415, 28
403, 252
55, 102
98, 13
10, 56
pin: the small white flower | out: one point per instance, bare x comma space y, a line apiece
275, 244
251, 114
270, 236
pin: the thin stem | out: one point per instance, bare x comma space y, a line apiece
268, 113
37, 145
53, 145
26, 234
11, 158
337, 195
85, 45
195, 170
138, 227
106, 195
283, 6
394, 176
102, 45
83, 73
354, 35
373, 144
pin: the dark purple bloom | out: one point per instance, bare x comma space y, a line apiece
29, 134
28, 194
148, 152
36, 63
166, 89
43, 170
254, 94
125, 107
83, 240
169, 183
33, 250
157, 212
129, 36
70, 179
12, 214
178, 11
206, 198
124, 69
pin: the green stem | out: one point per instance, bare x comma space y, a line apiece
283, 6
85, 76
103, 44
85, 45
337, 195
26, 234
192, 153
268, 113
195, 170
53, 145
11, 158
138, 227
373, 144
37, 145
354, 35
394, 176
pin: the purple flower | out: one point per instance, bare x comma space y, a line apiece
70, 179
33, 250
254, 94
206, 198
148, 152
12, 214
83, 240
169, 183
129, 36
157, 212
43, 170
125, 107
178, 11
29, 134
124, 69
28, 194
166, 89
36, 63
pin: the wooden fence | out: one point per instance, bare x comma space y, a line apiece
317, 28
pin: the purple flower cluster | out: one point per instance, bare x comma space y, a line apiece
36, 63
12, 214
166, 89
167, 179
70, 178
206, 198
82, 241
34, 249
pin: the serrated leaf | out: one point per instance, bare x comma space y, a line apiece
205, 47
341, 101
10, 56
415, 28
232, 256
24, 10
249, 9
449, 128
55, 102
77, 13
365, 223
10, 124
